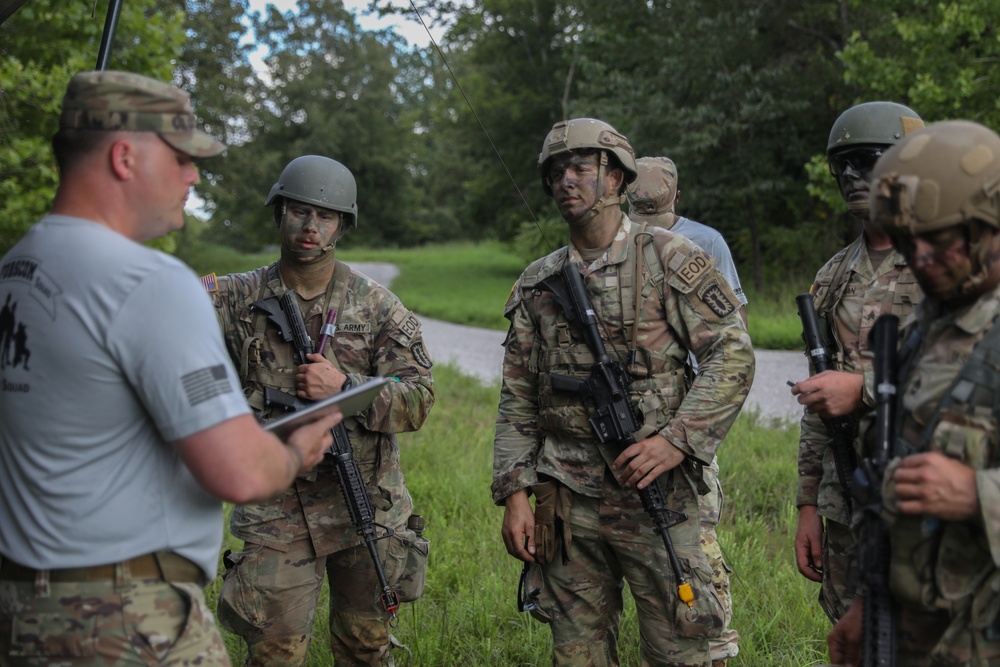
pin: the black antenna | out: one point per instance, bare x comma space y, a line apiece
110, 27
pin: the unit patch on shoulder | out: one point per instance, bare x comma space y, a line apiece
410, 326
210, 283
691, 267
717, 299
420, 355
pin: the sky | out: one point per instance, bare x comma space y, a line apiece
407, 26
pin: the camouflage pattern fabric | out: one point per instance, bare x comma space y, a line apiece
97, 624
583, 598
269, 598
958, 573
375, 335
540, 431
710, 506
850, 308
127, 102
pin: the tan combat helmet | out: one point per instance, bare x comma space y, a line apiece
944, 175
570, 135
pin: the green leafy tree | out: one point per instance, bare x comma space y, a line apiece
42, 46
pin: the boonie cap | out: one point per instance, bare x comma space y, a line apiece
653, 191
127, 102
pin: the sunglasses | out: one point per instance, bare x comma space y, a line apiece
861, 160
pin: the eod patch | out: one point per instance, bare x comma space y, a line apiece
719, 299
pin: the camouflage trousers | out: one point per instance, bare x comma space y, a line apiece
840, 569
101, 624
709, 511
270, 597
612, 540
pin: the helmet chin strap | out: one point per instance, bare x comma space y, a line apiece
604, 200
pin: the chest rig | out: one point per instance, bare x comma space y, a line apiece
279, 370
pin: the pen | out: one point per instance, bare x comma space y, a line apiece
328, 330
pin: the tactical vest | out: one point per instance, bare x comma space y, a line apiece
659, 382
965, 578
254, 373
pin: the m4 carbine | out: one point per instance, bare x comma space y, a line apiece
606, 393
878, 639
285, 313
841, 429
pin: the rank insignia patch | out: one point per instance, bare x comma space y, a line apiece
717, 300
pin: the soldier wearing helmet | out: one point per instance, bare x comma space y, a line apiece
652, 198
657, 298
271, 588
936, 194
866, 278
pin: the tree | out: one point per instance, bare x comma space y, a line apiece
42, 46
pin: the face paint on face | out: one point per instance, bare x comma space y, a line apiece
853, 171
573, 180
308, 231
940, 260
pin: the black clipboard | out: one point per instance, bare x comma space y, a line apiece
350, 402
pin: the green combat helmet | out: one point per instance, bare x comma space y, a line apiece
944, 175
872, 124
319, 181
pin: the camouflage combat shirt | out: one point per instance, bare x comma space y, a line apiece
939, 564
692, 307
849, 309
375, 335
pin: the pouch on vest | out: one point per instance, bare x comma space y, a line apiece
552, 531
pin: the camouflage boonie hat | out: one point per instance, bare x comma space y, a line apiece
123, 101
655, 188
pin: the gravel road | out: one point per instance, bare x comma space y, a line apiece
478, 352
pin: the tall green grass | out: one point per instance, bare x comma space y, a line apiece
468, 614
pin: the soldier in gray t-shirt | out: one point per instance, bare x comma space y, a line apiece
128, 426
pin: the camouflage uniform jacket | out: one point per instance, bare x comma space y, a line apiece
937, 564
849, 296
691, 307
375, 335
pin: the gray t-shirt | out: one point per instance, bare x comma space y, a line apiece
712, 242
109, 351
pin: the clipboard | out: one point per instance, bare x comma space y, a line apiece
350, 402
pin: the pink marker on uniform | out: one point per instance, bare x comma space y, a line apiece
328, 330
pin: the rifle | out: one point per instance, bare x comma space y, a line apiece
841, 429
286, 314
613, 421
879, 619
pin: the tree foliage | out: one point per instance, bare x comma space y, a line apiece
42, 46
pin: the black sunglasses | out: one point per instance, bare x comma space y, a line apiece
861, 160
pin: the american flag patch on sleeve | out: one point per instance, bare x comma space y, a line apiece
205, 384
210, 283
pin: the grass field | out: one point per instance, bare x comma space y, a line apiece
468, 615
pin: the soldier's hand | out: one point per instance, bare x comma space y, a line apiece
844, 641
830, 393
809, 543
641, 463
317, 379
519, 526
932, 483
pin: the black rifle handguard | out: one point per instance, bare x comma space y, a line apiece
841, 429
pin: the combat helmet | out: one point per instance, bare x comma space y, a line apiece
944, 175
872, 124
570, 135
320, 181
